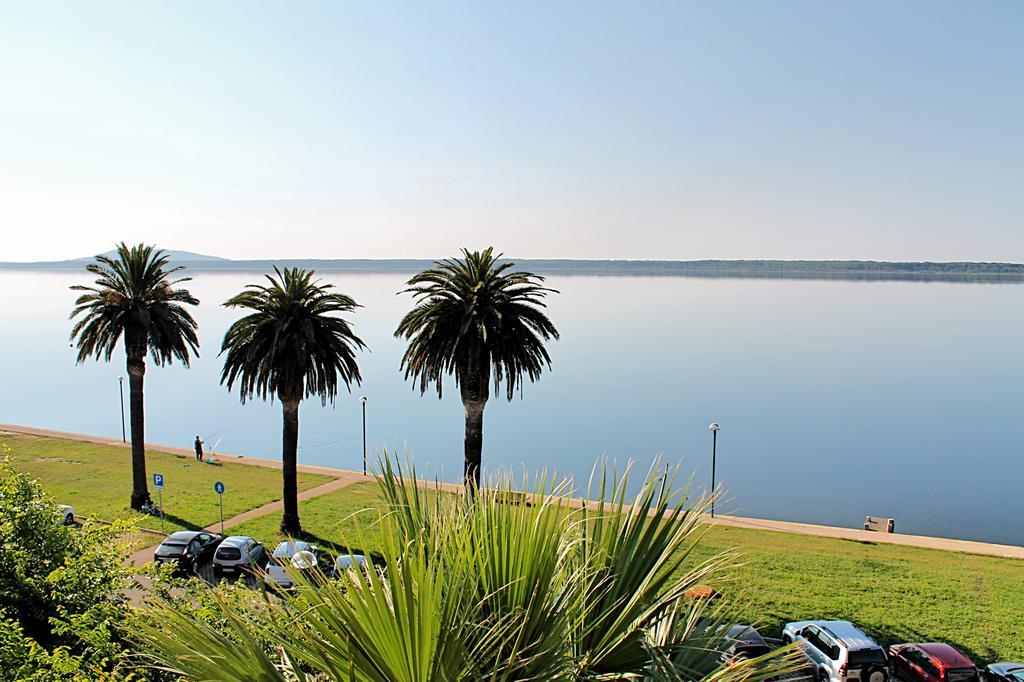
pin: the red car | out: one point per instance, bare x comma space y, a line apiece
931, 663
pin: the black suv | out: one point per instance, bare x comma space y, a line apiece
743, 642
187, 549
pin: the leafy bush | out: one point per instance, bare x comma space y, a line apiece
62, 589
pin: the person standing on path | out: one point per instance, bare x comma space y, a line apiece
199, 449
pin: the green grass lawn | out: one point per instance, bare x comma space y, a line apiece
896, 594
97, 481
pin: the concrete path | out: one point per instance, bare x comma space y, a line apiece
170, 449
345, 477
860, 535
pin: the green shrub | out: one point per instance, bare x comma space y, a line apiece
62, 589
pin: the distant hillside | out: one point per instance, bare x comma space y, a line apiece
178, 256
768, 269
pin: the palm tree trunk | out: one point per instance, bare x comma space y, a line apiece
290, 518
474, 444
140, 489
474, 388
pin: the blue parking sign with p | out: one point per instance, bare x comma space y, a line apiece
158, 481
218, 488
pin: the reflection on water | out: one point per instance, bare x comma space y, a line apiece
837, 399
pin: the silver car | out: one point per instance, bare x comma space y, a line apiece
237, 554
839, 651
349, 562
298, 554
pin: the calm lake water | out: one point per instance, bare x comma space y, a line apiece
837, 399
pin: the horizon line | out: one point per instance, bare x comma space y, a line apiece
183, 256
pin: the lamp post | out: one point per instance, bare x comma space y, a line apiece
120, 383
714, 427
363, 401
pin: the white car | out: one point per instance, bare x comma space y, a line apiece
66, 514
298, 554
349, 562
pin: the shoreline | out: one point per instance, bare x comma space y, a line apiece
791, 527
972, 272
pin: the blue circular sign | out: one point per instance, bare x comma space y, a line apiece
219, 487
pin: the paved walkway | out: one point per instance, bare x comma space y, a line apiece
860, 535
170, 449
345, 478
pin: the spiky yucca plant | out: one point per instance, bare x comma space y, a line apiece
480, 588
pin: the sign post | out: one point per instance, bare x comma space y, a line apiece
158, 483
218, 488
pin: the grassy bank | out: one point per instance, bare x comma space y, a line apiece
97, 481
896, 593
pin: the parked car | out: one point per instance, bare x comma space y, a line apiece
839, 651
237, 554
1004, 672
298, 554
187, 549
65, 514
348, 562
932, 663
743, 642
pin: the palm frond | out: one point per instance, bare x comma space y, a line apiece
293, 341
472, 314
134, 297
186, 646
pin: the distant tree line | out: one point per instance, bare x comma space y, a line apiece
809, 269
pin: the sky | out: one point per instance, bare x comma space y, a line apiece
677, 130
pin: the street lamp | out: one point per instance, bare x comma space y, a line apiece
120, 383
363, 401
714, 427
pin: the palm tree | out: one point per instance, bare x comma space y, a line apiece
290, 346
477, 321
135, 296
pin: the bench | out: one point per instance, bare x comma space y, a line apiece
503, 496
511, 497
879, 525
